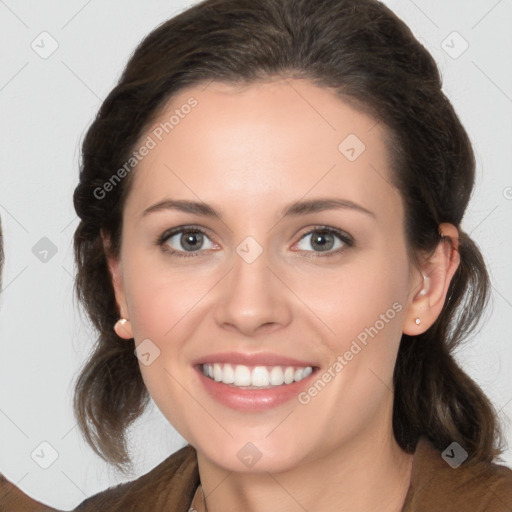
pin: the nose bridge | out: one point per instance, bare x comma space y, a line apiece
252, 296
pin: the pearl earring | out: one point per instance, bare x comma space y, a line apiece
119, 326
417, 321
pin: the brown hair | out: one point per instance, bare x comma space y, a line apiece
368, 56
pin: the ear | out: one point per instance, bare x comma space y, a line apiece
122, 329
431, 282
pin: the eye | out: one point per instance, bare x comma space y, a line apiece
324, 239
180, 241
189, 241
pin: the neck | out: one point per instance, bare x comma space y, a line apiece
369, 473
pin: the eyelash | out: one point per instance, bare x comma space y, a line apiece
344, 237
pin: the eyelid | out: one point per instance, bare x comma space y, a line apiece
160, 241
346, 239
342, 235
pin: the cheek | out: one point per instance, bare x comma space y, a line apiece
165, 301
365, 311
163, 309
368, 295
365, 315
354, 313
160, 298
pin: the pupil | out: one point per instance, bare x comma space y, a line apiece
320, 241
191, 240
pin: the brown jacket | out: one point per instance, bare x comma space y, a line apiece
170, 486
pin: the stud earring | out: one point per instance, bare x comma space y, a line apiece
417, 321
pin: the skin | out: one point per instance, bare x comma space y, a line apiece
248, 152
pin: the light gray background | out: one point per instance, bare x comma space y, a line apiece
47, 104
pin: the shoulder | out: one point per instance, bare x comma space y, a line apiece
439, 483
169, 486
15, 500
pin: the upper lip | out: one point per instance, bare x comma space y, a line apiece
251, 359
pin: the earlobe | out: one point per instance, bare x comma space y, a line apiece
437, 272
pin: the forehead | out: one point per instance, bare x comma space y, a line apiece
260, 141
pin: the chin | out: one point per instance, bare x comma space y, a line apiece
253, 454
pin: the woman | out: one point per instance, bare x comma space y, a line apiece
270, 204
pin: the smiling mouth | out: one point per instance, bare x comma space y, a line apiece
255, 377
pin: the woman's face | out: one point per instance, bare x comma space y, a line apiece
304, 265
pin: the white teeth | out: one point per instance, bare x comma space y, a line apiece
307, 371
276, 376
257, 376
228, 374
242, 376
217, 372
288, 375
260, 376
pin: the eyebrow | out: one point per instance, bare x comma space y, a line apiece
294, 209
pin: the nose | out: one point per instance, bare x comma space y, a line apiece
252, 298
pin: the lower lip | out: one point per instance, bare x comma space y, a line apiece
253, 399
